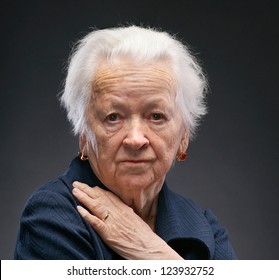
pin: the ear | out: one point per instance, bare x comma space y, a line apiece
184, 142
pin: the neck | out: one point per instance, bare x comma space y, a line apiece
144, 203
147, 211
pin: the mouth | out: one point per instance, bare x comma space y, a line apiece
135, 161
138, 161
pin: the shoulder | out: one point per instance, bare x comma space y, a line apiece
184, 204
188, 204
190, 209
52, 194
51, 206
51, 228
201, 223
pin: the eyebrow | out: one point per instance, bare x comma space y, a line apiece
153, 103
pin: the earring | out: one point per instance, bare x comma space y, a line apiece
181, 157
82, 156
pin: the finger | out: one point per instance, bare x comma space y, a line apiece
82, 186
94, 221
93, 192
96, 208
84, 198
81, 195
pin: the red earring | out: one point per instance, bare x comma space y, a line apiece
181, 157
82, 156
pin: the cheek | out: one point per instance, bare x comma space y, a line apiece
101, 135
107, 145
173, 134
167, 144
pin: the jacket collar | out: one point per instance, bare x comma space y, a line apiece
182, 224
81, 171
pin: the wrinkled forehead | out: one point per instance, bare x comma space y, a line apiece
128, 76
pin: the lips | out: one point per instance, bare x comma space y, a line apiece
137, 160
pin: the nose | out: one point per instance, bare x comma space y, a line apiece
135, 138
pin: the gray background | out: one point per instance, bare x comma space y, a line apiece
232, 165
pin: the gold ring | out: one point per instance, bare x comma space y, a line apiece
106, 216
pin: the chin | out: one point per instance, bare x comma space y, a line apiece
132, 182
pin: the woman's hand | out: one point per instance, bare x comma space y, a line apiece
119, 226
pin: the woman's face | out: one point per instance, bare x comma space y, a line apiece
137, 126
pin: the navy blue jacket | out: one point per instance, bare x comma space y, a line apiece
51, 227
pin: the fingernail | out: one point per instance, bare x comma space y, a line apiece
80, 209
75, 184
75, 190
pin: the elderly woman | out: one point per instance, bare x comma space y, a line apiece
134, 97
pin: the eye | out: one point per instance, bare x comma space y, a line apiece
157, 116
112, 117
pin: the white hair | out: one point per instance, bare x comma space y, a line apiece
142, 45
